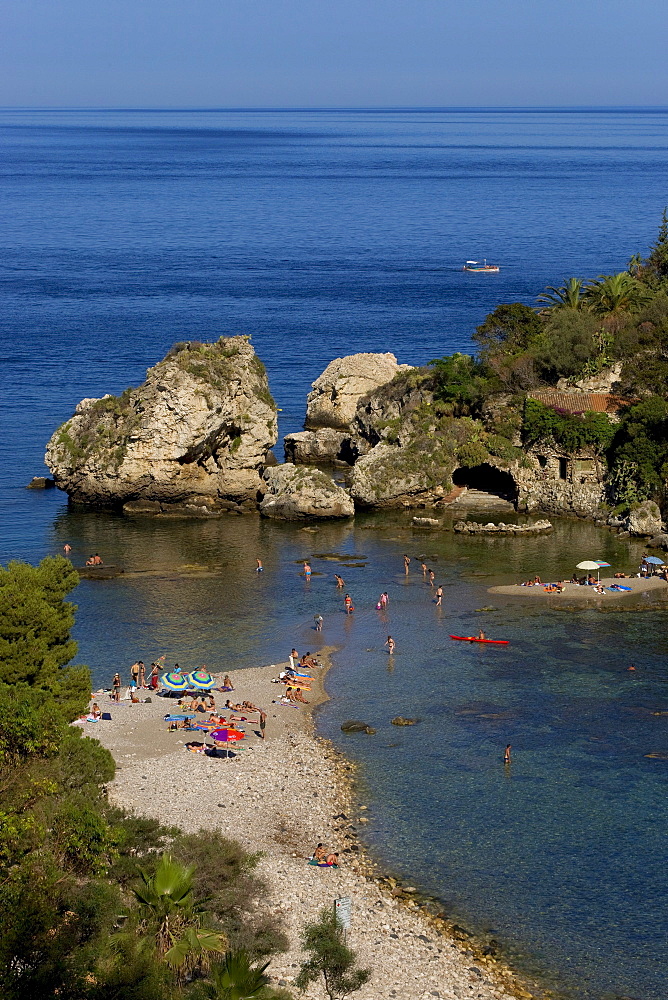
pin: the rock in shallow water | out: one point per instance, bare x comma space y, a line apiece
297, 493
197, 430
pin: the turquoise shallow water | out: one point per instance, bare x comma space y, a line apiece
321, 234
561, 855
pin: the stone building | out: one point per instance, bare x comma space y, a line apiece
559, 481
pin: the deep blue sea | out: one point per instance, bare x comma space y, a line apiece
322, 234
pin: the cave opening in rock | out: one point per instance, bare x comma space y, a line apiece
486, 479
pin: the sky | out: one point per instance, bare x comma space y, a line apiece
332, 53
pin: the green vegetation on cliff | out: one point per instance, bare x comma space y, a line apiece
579, 330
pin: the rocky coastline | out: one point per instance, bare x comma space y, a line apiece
280, 797
195, 440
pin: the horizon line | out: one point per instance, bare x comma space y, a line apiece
380, 109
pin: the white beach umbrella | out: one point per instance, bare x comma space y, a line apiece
590, 564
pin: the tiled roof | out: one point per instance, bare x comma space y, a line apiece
579, 402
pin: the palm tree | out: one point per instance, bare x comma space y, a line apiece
169, 911
567, 296
236, 978
612, 293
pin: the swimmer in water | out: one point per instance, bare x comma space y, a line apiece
391, 645
431, 578
506, 754
340, 582
348, 603
439, 597
407, 563
307, 571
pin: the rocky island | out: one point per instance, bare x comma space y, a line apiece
194, 438
563, 410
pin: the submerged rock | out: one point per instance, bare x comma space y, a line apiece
296, 493
194, 434
473, 528
399, 720
354, 726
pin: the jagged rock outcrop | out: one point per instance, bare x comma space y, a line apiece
192, 439
645, 519
332, 404
335, 394
318, 447
411, 444
297, 493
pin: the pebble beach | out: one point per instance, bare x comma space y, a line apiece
281, 796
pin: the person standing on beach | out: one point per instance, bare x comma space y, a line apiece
263, 723
154, 677
134, 673
340, 582
506, 754
141, 676
439, 596
116, 687
348, 602
258, 568
407, 563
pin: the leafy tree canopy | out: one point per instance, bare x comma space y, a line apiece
35, 623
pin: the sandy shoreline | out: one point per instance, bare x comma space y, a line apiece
573, 591
281, 796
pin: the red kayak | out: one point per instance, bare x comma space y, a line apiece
473, 638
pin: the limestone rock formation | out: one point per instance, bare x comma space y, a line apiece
297, 493
317, 447
645, 519
335, 394
391, 477
331, 407
191, 439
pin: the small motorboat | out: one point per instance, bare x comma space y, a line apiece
474, 638
484, 268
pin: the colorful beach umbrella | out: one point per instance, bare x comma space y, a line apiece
201, 680
227, 735
175, 682
601, 562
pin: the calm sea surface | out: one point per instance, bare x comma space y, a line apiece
322, 234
